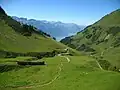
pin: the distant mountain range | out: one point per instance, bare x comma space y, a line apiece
58, 29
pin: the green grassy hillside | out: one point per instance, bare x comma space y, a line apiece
110, 19
68, 69
13, 41
14, 38
101, 40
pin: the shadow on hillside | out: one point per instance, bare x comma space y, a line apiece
6, 68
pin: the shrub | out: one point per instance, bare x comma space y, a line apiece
6, 68
114, 30
105, 64
30, 63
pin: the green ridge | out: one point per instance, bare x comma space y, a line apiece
20, 38
101, 40
61, 72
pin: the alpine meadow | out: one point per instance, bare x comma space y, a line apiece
32, 59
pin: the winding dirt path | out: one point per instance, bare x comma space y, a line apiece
60, 69
99, 65
66, 58
102, 53
45, 84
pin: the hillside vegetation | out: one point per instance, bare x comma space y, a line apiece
100, 40
31, 60
18, 37
81, 72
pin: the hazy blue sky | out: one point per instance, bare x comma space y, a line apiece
72, 11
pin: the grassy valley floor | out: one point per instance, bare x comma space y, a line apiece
80, 73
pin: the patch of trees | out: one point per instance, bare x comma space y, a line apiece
100, 41
27, 30
6, 68
108, 66
72, 46
114, 30
117, 42
41, 32
96, 27
86, 48
66, 40
104, 64
8, 54
89, 36
95, 36
115, 68
30, 63
54, 38
38, 55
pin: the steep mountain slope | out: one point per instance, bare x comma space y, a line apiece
110, 19
55, 29
80, 71
17, 37
101, 40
